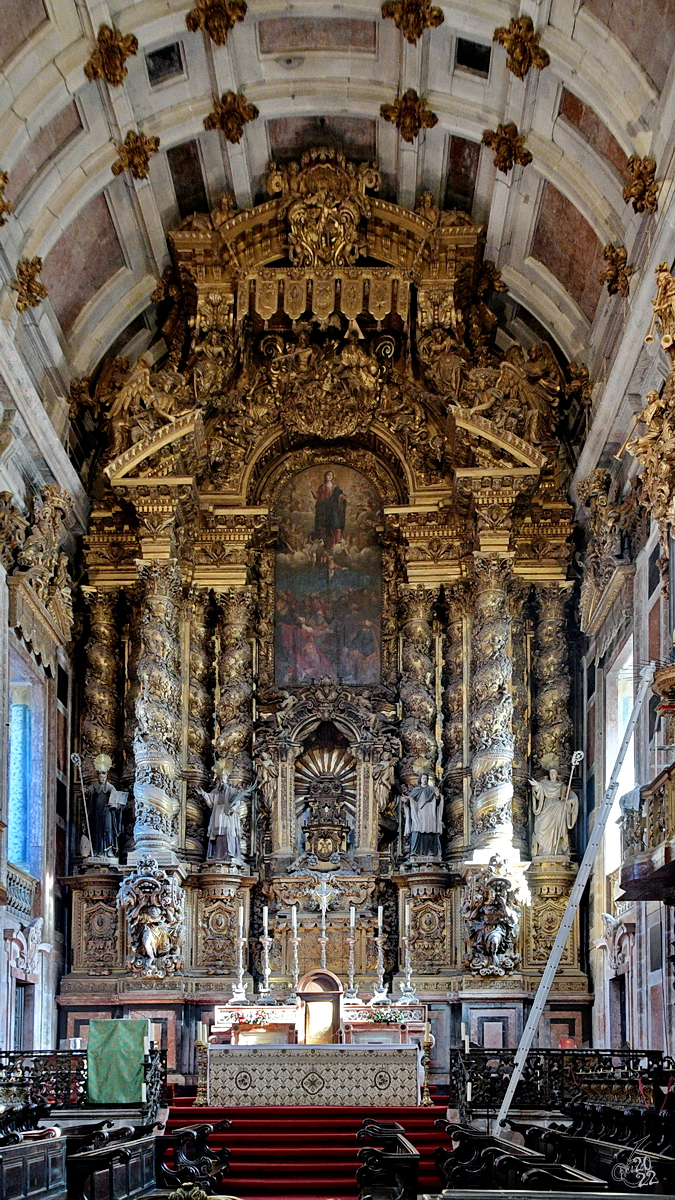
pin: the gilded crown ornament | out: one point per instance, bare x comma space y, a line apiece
112, 50
508, 145
216, 17
5, 206
409, 114
522, 46
617, 273
30, 292
642, 187
230, 114
135, 153
412, 17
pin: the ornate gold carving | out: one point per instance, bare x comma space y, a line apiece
230, 114
5, 206
617, 273
409, 114
216, 930
550, 883
216, 17
99, 713
157, 737
30, 292
491, 921
491, 704
520, 690
200, 708
508, 145
135, 153
131, 633
453, 722
153, 902
642, 187
12, 530
40, 563
522, 46
663, 305
234, 723
323, 201
552, 741
412, 17
107, 61
606, 525
655, 450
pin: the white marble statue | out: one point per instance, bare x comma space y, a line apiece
424, 817
555, 812
226, 804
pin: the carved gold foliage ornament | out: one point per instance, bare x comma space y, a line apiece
5, 206
230, 114
522, 46
617, 273
107, 61
216, 17
412, 17
508, 145
135, 153
642, 187
30, 292
409, 114
323, 202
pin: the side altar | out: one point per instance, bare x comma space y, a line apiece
323, 632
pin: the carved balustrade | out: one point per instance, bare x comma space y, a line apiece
59, 1077
21, 890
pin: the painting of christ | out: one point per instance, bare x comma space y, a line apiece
328, 578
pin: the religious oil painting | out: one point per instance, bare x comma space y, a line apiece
328, 578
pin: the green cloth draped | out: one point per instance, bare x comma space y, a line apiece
115, 1054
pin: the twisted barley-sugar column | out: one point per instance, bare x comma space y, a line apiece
519, 592
491, 709
552, 742
453, 721
157, 740
200, 705
99, 714
417, 687
134, 603
235, 685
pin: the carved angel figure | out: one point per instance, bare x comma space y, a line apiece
153, 901
491, 921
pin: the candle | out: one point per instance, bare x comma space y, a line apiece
427, 1032
265, 916
466, 1043
380, 913
407, 920
294, 920
352, 919
463, 1028
241, 920
469, 1091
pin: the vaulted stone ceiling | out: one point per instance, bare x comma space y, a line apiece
319, 73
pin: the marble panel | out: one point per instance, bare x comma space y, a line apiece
284, 35
384, 1076
289, 136
587, 121
56, 133
17, 23
647, 29
566, 244
85, 257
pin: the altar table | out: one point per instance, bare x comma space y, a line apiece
382, 1076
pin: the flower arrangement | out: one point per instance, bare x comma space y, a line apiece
249, 1018
385, 1016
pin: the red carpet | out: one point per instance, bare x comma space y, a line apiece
307, 1152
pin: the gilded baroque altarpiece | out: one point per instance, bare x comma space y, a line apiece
328, 553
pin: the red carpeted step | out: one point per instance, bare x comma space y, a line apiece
307, 1152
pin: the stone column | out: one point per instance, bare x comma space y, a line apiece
552, 742
519, 592
100, 704
417, 686
491, 710
234, 693
196, 731
453, 723
157, 739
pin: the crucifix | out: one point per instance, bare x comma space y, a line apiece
324, 895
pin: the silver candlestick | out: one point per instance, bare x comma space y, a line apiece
239, 988
265, 991
351, 993
295, 942
407, 990
381, 994
323, 940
